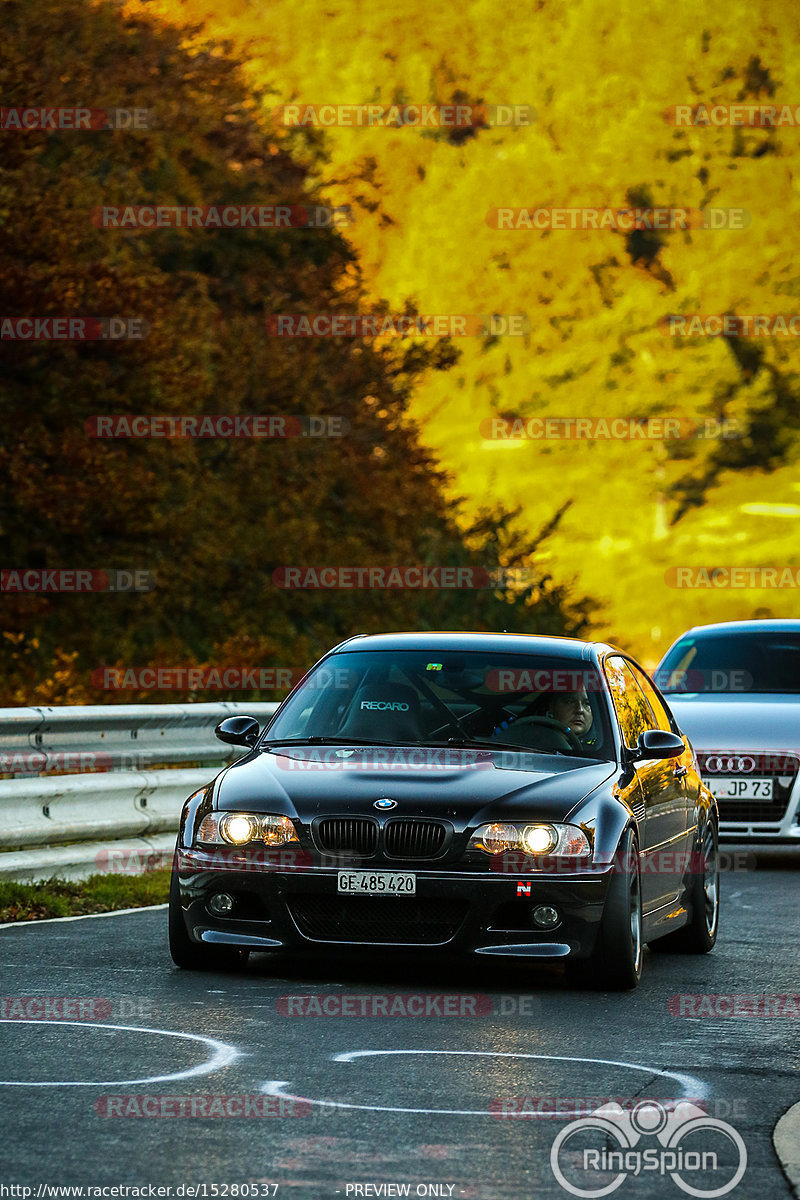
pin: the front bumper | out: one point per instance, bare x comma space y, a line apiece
462, 912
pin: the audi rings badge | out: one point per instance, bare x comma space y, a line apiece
716, 764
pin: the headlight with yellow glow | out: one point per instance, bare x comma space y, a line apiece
567, 841
538, 839
237, 829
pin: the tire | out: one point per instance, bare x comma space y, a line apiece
192, 956
699, 935
616, 963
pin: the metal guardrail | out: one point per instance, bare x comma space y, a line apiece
70, 823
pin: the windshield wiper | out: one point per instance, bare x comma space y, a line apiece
317, 740
487, 744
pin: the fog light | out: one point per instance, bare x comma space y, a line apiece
545, 916
221, 904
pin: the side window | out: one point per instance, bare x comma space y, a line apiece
633, 711
654, 700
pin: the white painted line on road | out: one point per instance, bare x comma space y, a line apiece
222, 1056
273, 1087
115, 912
786, 1139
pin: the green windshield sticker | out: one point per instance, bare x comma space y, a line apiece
434, 667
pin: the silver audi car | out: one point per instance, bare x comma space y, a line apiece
735, 691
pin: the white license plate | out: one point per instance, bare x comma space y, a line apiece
377, 883
743, 789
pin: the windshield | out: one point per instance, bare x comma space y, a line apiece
536, 703
731, 663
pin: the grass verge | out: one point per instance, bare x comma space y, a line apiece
98, 893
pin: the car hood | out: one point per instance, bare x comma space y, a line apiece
734, 723
310, 783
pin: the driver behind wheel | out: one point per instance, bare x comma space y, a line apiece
573, 710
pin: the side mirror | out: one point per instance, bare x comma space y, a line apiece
239, 731
658, 743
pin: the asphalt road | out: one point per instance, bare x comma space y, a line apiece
395, 1099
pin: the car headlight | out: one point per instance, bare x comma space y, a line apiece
494, 839
237, 829
567, 841
538, 839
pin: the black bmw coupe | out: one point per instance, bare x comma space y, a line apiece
485, 794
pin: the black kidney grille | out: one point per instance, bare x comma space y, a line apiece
354, 835
409, 838
387, 919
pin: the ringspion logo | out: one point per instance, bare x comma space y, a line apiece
608, 1142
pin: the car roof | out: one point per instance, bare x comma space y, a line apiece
510, 643
773, 625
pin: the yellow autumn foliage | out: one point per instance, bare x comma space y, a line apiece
600, 78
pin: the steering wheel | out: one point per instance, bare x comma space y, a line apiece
549, 723
460, 724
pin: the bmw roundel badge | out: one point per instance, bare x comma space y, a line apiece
385, 802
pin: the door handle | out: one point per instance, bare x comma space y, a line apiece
679, 772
